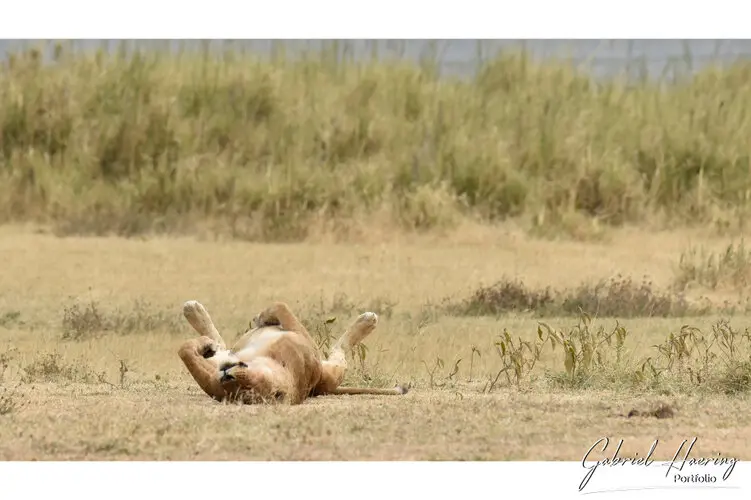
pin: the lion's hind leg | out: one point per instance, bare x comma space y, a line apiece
335, 367
279, 314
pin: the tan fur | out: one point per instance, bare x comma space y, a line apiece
276, 360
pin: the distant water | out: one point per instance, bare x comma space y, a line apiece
651, 58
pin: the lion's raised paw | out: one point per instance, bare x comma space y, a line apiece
209, 349
367, 319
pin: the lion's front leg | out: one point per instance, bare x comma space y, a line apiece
196, 354
199, 319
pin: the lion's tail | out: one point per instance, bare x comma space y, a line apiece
394, 391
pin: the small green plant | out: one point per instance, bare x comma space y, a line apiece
431, 371
368, 373
474, 351
361, 353
737, 379
704, 358
322, 333
320, 319
595, 356
123, 371
584, 348
518, 358
732, 344
434, 380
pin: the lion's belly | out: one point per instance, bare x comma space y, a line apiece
258, 341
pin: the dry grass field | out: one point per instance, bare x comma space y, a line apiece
90, 326
486, 220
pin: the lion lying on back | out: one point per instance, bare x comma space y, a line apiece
275, 360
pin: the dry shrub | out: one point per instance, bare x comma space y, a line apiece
616, 297
53, 367
622, 297
11, 401
503, 297
87, 321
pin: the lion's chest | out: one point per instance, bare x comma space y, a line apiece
257, 342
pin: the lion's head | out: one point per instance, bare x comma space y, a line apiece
250, 382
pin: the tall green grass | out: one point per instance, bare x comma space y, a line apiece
261, 147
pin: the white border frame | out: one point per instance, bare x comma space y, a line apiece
341, 19
360, 480
383, 19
